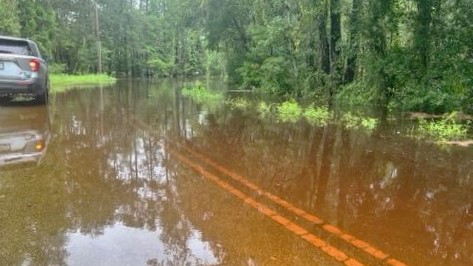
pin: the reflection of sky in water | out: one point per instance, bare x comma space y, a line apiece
121, 245
140, 164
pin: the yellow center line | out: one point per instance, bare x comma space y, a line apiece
364, 246
367, 248
294, 228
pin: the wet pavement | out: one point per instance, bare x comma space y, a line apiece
136, 174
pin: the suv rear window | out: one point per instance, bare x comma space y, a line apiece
15, 47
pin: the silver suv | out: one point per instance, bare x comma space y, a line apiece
23, 72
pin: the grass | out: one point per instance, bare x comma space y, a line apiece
201, 95
63, 82
442, 131
264, 110
238, 103
317, 115
292, 112
446, 130
289, 111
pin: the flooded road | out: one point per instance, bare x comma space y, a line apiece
138, 175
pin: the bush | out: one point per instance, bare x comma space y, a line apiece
317, 115
444, 130
356, 93
289, 111
55, 68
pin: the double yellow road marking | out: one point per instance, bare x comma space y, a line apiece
289, 225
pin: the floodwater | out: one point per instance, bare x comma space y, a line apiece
135, 174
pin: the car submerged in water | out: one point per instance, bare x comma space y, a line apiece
23, 72
24, 134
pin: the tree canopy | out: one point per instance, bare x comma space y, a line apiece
413, 54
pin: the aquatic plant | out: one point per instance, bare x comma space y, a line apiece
369, 123
446, 129
317, 115
264, 110
200, 94
238, 103
289, 111
350, 121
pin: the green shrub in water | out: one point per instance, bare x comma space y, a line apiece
238, 103
264, 110
289, 111
369, 123
200, 94
446, 129
317, 115
351, 121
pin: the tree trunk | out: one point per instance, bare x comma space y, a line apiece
422, 33
351, 65
335, 36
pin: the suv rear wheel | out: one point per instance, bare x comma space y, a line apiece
42, 98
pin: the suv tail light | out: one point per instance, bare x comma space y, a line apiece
34, 65
39, 146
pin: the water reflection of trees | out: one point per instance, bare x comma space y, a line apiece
121, 169
100, 170
392, 191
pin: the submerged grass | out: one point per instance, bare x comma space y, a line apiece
238, 103
289, 111
63, 82
201, 95
444, 130
317, 115
292, 112
264, 109
351, 121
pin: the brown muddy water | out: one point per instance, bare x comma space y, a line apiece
136, 174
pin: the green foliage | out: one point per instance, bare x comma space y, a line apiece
274, 75
317, 115
215, 63
38, 23
9, 23
201, 95
293, 112
414, 55
369, 123
289, 111
63, 82
162, 67
238, 103
264, 110
356, 93
351, 121
250, 75
446, 129
56, 68
436, 98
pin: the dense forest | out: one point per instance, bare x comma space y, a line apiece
410, 54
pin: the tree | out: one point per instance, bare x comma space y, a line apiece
8, 18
